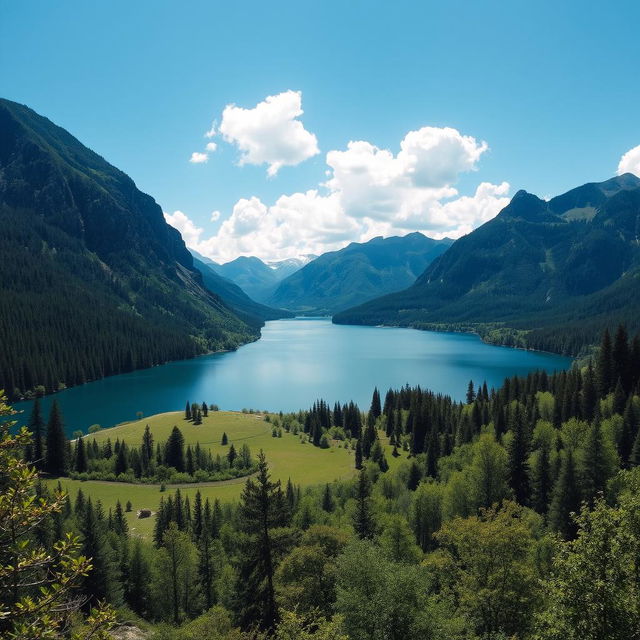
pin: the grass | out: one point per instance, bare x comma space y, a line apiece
305, 464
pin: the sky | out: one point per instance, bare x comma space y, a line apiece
281, 129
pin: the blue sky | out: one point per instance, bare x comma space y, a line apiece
551, 87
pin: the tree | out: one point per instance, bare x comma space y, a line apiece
358, 455
207, 551
36, 427
398, 542
414, 477
566, 498
232, 455
542, 478
375, 410
224, 440
487, 565
363, 521
174, 451
81, 463
605, 368
328, 503
187, 411
488, 472
36, 584
595, 469
138, 592
122, 459
56, 456
594, 591
518, 457
426, 514
262, 510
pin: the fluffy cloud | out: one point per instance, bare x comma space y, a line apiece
198, 158
630, 162
190, 233
215, 215
369, 192
211, 146
270, 132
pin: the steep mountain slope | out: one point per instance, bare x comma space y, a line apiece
252, 312
556, 271
359, 272
92, 280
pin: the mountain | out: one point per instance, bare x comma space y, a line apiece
359, 272
246, 308
256, 278
93, 281
541, 274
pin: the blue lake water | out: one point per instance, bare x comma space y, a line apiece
296, 362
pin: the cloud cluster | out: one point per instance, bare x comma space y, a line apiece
630, 162
369, 192
270, 133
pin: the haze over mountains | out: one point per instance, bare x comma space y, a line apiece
556, 271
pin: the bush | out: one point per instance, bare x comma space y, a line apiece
324, 442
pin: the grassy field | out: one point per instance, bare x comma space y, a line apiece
287, 457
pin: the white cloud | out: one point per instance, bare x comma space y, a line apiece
215, 216
211, 146
630, 162
270, 133
369, 192
198, 158
212, 130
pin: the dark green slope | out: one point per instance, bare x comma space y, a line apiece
252, 312
92, 280
558, 270
359, 272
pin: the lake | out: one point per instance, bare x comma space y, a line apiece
296, 362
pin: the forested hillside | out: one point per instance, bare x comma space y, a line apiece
93, 282
477, 520
548, 275
359, 272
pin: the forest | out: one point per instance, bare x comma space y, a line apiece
513, 514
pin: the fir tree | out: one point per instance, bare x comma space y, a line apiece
138, 586
232, 455
174, 452
328, 504
415, 475
375, 410
566, 499
605, 368
358, 456
542, 479
363, 521
595, 474
187, 411
224, 440
80, 457
262, 509
206, 566
122, 459
120, 526
55, 461
518, 458
36, 427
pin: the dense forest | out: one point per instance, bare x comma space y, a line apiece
93, 282
493, 523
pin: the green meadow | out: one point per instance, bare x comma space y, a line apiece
288, 457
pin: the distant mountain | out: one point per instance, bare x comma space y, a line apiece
92, 280
359, 272
246, 308
256, 278
540, 274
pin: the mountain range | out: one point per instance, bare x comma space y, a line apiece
542, 274
93, 281
359, 272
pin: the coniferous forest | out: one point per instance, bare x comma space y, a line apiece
503, 510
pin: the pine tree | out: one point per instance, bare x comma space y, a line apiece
566, 499
206, 566
232, 455
55, 461
138, 586
198, 521
363, 521
328, 504
224, 440
518, 458
542, 479
120, 525
627, 437
605, 368
36, 427
620, 357
146, 451
471, 394
174, 452
122, 459
415, 475
81, 456
589, 395
262, 509
375, 410
358, 456
187, 411
595, 474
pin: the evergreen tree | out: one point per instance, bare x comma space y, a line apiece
80, 463
122, 459
375, 410
120, 526
363, 521
138, 586
518, 458
224, 440
206, 566
232, 455
358, 455
262, 509
595, 472
328, 504
605, 368
542, 479
471, 394
198, 516
36, 427
187, 411
174, 451
566, 499
415, 475
620, 358
55, 461
146, 451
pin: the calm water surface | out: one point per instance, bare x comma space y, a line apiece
296, 362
